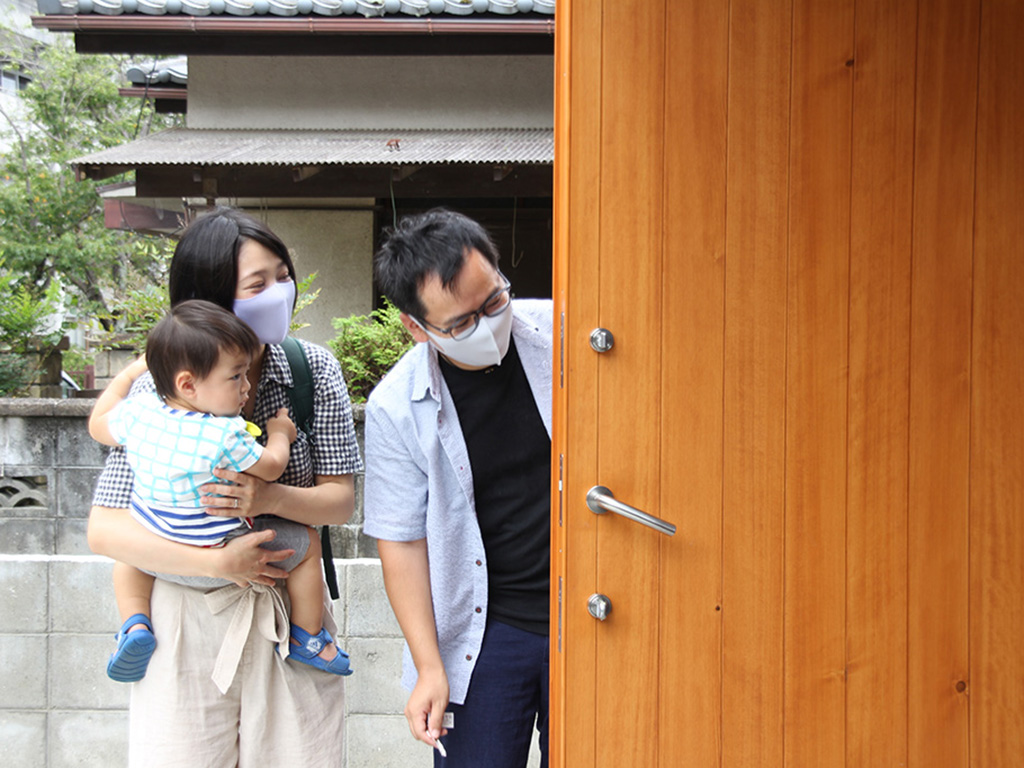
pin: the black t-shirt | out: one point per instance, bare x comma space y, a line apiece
510, 455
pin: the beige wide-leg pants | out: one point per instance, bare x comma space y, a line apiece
270, 712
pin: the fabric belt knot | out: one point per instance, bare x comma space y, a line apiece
258, 603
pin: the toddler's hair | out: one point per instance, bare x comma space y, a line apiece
190, 338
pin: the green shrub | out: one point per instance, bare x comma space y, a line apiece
26, 337
367, 346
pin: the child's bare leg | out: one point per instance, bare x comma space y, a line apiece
306, 591
132, 589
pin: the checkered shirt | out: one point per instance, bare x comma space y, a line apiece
331, 451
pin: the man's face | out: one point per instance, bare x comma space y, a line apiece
476, 282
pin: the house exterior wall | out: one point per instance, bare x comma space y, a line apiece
371, 92
337, 245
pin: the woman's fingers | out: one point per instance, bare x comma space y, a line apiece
244, 561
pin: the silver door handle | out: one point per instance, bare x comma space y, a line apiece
601, 500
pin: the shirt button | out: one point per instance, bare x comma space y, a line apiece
479, 562
469, 657
477, 609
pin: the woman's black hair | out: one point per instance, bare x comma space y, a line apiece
190, 338
205, 262
432, 243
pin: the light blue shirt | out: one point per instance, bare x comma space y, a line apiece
419, 484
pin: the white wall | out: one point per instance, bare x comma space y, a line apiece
336, 244
371, 92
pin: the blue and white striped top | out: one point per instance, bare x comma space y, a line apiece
172, 453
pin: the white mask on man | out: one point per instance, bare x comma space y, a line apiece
487, 345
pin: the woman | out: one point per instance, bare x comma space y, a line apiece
216, 693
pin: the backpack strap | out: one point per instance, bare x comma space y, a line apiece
301, 397
301, 393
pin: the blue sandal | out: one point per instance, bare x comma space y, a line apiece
306, 652
128, 663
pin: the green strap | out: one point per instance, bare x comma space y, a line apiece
301, 396
301, 393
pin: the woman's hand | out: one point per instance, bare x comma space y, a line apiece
244, 562
246, 497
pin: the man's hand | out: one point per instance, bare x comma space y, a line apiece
426, 706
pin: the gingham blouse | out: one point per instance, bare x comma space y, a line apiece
332, 450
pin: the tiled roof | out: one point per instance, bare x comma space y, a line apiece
164, 71
209, 147
366, 8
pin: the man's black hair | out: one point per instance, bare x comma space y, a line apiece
432, 243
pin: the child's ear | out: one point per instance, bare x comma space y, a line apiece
185, 383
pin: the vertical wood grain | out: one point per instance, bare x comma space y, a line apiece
692, 296
816, 391
880, 248
580, 37
946, 105
996, 685
629, 301
754, 384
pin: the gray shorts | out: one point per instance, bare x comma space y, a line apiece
290, 535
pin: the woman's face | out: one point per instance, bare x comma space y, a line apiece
258, 269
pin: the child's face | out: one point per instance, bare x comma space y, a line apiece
225, 389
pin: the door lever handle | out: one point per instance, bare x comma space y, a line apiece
601, 500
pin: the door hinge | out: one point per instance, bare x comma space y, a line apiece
561, 351
561, 458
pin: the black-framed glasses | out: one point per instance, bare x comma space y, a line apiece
464, 326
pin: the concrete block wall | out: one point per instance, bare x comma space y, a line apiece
58, 708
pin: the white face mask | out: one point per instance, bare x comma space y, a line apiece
269, 312
487, 345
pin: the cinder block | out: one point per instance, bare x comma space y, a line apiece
22, 671
23, 595
29, 441
88, 739
71, 536
26, 491
74, 446
74, 491
78, 674
22, 739
375, 687
27, 536
82, 597
366, 547
359, 481
369, 612
383, 741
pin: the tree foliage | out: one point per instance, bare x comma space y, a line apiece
51, 225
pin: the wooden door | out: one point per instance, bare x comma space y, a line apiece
802, 223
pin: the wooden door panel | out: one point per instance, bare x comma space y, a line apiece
880, 257
755, 383
629, 302
817, 316
693, 323
946, 104
802, 222
996, 685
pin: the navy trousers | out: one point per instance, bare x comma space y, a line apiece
508, 694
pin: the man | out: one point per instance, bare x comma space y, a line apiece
458, 452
